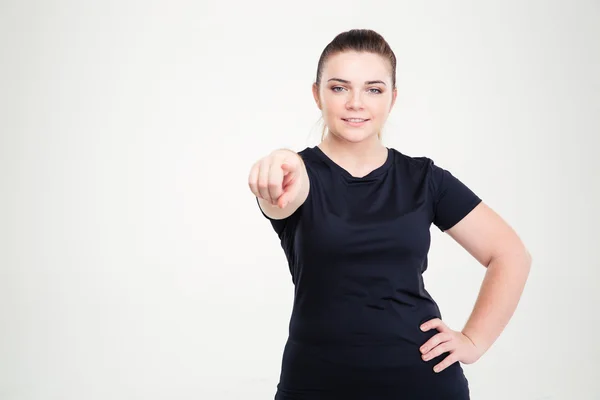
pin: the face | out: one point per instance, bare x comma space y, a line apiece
355, 95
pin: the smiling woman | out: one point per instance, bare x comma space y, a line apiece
348, 98
353, 218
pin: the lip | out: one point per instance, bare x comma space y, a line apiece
356, 124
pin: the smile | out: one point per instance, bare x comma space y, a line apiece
355, 122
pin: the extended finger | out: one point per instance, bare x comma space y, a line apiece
438, 350
290, 193
434, 323
446, 362
434, 341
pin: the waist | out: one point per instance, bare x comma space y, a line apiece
346, 324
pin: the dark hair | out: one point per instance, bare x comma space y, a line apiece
359, 40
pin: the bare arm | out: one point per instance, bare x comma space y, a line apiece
491, 241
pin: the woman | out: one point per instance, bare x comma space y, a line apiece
354, 221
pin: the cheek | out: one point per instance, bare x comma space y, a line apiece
381, 108
333, 108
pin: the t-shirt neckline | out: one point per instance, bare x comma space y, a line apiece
373, 175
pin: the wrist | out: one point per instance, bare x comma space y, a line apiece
477, 342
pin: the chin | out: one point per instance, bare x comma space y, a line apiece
355, 135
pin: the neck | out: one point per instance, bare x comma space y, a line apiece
358, 157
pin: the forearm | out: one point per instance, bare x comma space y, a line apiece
499, 295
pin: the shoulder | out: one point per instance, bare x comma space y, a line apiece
411, 161
417, 162
309, 155
313, 161
417, 166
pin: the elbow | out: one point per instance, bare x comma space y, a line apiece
521, 258
529, 259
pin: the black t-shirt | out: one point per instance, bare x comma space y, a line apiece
356, 250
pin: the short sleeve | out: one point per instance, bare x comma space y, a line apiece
279, 225
452, 199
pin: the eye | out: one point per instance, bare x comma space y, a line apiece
336, 87
377, 90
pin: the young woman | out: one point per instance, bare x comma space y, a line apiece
354, 218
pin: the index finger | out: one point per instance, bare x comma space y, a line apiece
434, 323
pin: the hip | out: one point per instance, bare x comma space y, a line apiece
366, 372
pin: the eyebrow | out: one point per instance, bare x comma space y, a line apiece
345, 81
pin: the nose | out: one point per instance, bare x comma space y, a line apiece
354, 101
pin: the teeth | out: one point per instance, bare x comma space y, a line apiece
355, 120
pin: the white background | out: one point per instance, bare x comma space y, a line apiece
134, 262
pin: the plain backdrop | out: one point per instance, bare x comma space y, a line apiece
134, 262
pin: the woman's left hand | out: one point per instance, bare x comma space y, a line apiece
460, 347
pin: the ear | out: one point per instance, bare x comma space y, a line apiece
394, 95
315, 91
